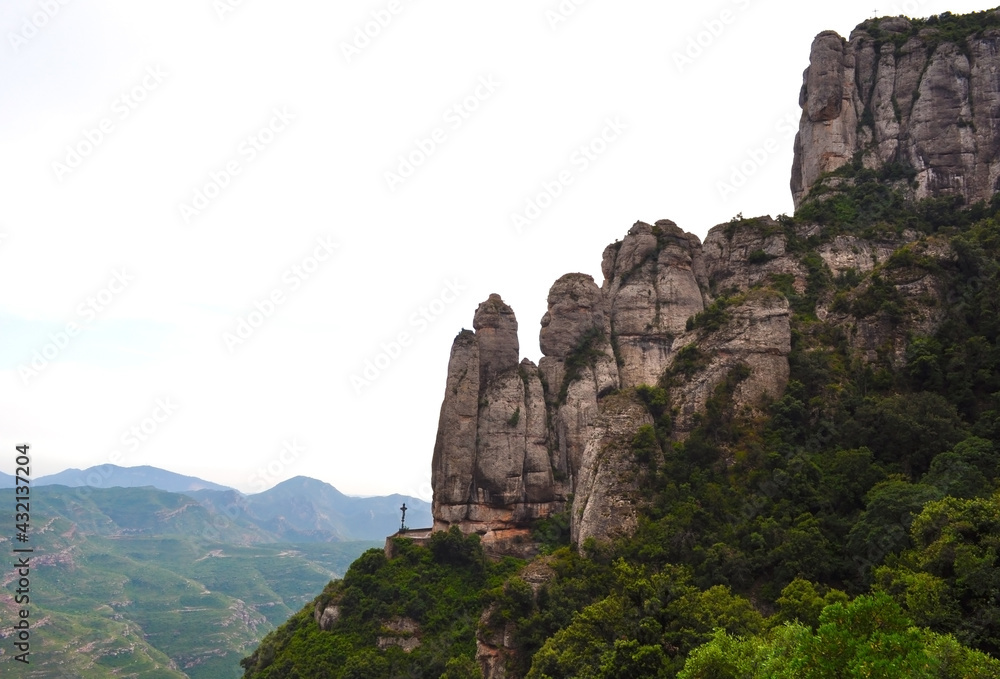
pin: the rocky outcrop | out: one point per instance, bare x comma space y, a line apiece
654, 280
514, 441
906, 296
326, 616
901, 97
496, 335
491, 470
753, 343
744, 253
605, 502
578, 366
495, 640
403, 633
846, 253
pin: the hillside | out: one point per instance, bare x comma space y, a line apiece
769, 454
161, 584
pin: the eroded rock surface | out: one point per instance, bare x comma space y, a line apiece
491, 470
515, 440
907, 99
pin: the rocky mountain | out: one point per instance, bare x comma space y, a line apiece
771, 453
917, 100
516, 440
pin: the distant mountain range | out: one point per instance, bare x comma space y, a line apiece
158, 584
300, 509
306, 510
173, 576
113, 476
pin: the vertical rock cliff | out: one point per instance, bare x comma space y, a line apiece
914, 103
518, 442
918, 101
492, 472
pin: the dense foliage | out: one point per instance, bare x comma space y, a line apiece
438, 587
850, 527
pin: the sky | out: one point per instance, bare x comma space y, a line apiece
237, 237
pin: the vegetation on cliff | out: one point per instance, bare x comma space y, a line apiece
847, 526
869, 485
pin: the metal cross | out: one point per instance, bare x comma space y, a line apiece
402, 521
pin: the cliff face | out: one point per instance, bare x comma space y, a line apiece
915, 102
669, 384
911, 99
516, 442
492, 471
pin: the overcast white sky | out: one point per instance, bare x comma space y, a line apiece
125, 287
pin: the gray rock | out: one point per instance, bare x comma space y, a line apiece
455, 447
936, 113
496, 332
654, 282
605, 501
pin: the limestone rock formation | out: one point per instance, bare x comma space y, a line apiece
401, 632
654, 281
741, 254
496, 642
496, 335
902, 97
755, 340
712, 320
491, 470
913, 299
578, 365
514, 441
326, 617
604, 501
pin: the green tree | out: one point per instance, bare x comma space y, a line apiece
869, 637
950, 578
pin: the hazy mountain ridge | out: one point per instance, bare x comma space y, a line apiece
110, 475
300, 509
171, 584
